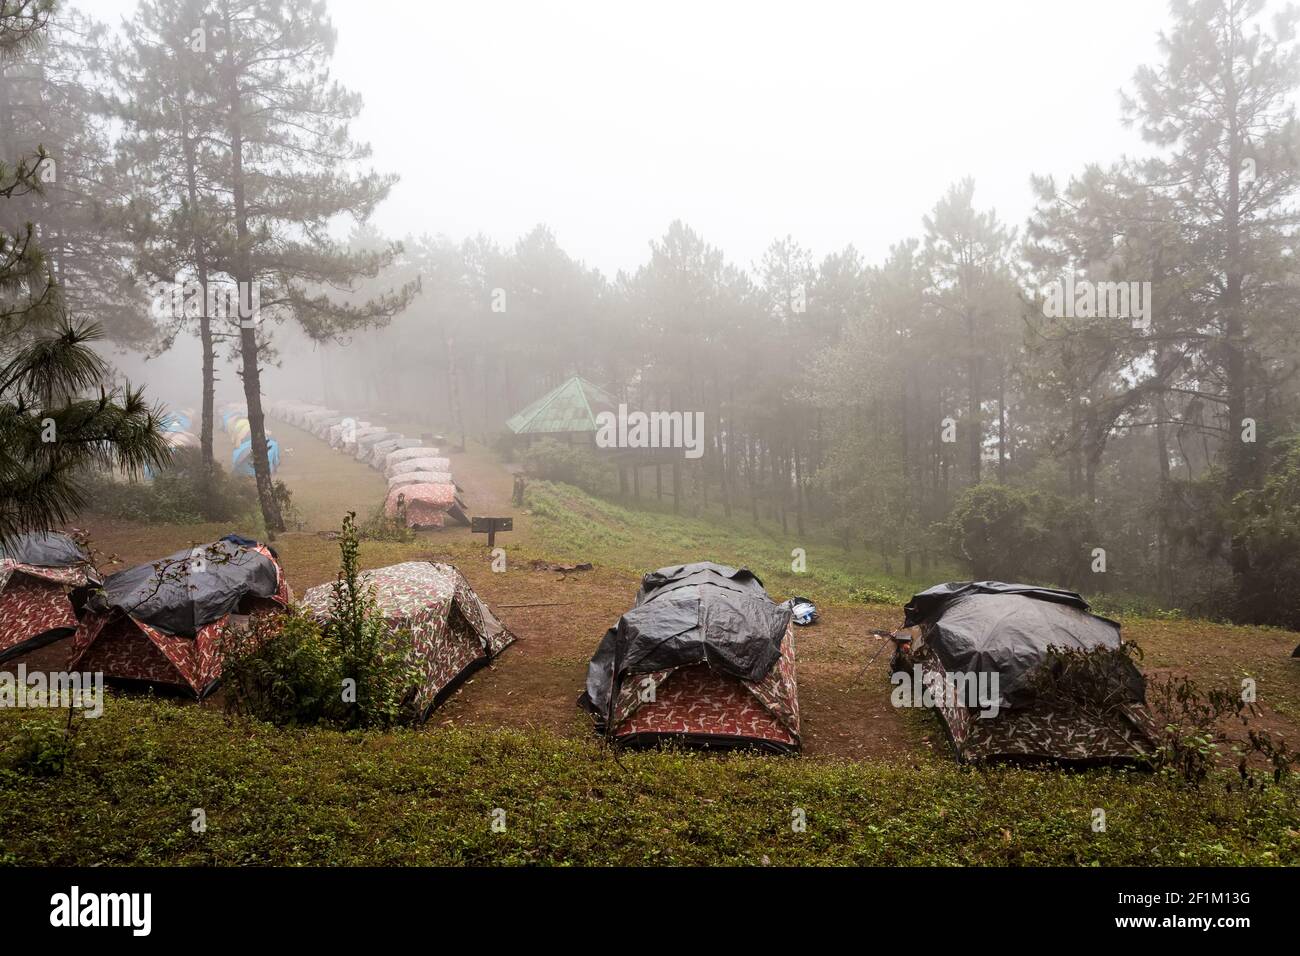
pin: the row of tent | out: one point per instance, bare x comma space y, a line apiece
704, 656
233, 418
163, 624
419, 476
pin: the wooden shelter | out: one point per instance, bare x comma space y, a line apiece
566, 413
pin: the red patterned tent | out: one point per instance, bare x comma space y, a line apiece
419, 478
37, 572
453, 632
426, 505
704, 657
163, 623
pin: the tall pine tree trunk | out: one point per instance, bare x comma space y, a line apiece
205, 320
1239, 465
1002, 424
973, 376
247, 327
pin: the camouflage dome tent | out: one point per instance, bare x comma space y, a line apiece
163, 623
988, 627
419, 478
453, 632
38, 571
427, 504
705, 658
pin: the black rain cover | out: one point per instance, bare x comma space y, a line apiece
44, 549
174, 595
991, 627
690, 614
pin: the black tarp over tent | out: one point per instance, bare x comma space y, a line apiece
181, 593
38, 572
992, 627
45, 549
1008, 631
704, 658
164, 623
701, 613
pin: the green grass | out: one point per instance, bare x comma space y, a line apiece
427, 797
572, 524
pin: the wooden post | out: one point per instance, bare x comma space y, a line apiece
490, 526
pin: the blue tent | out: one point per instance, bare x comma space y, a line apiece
177, 422
241, 459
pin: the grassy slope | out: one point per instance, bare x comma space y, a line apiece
316, 796
575, 524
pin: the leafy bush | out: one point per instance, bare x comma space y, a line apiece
281, 669
381, 527
575, 465
1097, 681
1190, 741
1268, 522
188, 492
283, 497
1281, 758
349, 671
1006, 533
1190, 744
41, 749
377, 662
879, 594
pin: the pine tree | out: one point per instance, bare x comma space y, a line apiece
167, 151
284, 171
59, 413
1220, 108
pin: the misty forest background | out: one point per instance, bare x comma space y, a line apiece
825, 380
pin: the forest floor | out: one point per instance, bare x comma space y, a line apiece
526, 700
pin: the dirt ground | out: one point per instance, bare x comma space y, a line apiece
559, 619
844, 705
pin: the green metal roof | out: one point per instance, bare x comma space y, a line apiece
572, 407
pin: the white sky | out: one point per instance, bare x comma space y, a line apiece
833, 122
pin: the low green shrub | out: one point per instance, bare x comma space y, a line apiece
378, 675
40, 749
575, 465
349, 670
281, 669
188, 492
381, 526
879, 594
